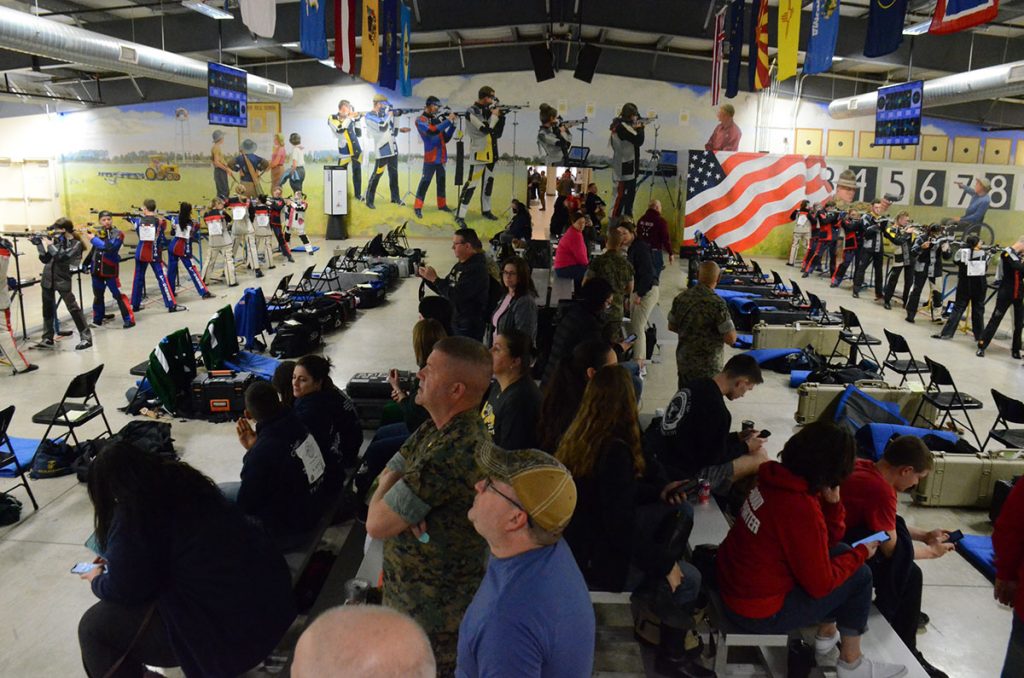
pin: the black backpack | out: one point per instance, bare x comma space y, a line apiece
295, 338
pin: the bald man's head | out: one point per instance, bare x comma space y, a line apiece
708, 273
363, 641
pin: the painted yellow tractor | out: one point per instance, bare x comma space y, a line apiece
159, 170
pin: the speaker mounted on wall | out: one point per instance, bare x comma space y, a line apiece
543, 62
586, 62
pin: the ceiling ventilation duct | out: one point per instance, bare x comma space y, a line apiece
985, 83
21, 32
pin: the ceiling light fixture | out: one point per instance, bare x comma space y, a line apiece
917, 29
207, 10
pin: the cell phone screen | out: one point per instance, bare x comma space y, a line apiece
82, 568
877, 536
955, 536
631, 338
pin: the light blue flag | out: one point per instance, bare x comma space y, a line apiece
821, 46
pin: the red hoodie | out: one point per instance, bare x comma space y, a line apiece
781, 540
1008, 543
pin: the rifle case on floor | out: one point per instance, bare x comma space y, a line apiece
799, 335
814, 400
967, 479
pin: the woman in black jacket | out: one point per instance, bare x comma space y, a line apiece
581, 321
517, 309
330, 416
184, 579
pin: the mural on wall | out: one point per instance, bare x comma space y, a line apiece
116, 157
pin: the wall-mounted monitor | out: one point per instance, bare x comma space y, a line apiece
898, 114
227, 96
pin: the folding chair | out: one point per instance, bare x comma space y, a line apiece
819, 311
947, 401
305, 284
8, 457
903, 366
798, 299
1009, 411
330, 272
79, 406
854, 336
779, 288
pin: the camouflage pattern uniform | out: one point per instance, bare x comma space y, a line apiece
616, 269
435, 582
700, 317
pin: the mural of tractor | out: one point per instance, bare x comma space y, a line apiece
159, 170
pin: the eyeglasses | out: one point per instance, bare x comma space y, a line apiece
510, 273
490, 486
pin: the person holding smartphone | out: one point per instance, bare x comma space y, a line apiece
869, 497
782, 566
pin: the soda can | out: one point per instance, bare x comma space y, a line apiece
704, 495
356, 591
747, 425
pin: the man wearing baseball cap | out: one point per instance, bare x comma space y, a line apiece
980, 201
532, 614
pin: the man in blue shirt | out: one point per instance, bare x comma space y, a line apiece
531, 615
980, 200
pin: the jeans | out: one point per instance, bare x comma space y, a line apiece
848, 605
220, 181
659, 263
574, 273
1013, 665
295, 178
109, 631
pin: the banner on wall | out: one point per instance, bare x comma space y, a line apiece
404, 78
313, 29
345, 36
789, 37
956, 15
758, 66
370, 67
885, 27
821, 45
388, 44
736, 199
732, 75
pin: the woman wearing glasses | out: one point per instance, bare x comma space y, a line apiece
517, 310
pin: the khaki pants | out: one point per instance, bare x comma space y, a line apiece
638, 321
223, 254
799, 246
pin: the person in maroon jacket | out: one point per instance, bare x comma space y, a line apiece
1008, 544
653, 230
782, 568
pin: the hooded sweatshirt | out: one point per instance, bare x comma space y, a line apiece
780, 541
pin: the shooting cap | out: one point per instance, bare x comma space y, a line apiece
485, 91
379, 99
105, 213
248, 146
217, 135
433, 101
847, 179
984, 183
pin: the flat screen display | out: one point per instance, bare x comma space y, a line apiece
227, 96
898, 114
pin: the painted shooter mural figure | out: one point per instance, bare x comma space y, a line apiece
380, 123
250, 167
486, 124
345, 124
436, 131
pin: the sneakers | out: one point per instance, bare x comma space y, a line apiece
209, 295
398, 202
826, 650
44, 343
128, 324
934, 336
980, 352
1015, 355
419, 212
460, 222
84, 344
259, 273
177, 307
31, 368
856, 294
65, 333
865, 668
489, 215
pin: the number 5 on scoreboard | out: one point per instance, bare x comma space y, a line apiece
895, 183
929, 188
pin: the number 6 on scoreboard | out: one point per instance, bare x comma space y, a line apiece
929, 188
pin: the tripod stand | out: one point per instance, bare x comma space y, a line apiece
657, 172
408, 166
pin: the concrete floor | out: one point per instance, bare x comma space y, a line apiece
42, 602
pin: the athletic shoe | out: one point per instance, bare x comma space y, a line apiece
856, 294
887, 305
910, 320
84, 344
922, 623
44, 343
805, 275
460, 222
259, 273
65, 333
419, 212
209, 295
31, 368
177, 307
980, 352
489, 215
1015, 355
96, 323
128, 325
865, 668
444, 209
370, 206
398, 202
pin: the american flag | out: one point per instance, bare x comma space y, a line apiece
736, 199
718, 57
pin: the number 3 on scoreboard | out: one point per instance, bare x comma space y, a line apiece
929, 188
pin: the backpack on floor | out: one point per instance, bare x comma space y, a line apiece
295, 338
53, 460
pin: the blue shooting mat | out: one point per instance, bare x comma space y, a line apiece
261, 365
978, 551
874, 437
797, 377
744, 341
24, 450
763, 355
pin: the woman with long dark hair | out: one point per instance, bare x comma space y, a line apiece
564, 391
517, 310
184, 580
329, 415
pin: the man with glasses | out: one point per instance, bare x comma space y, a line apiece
467, 286
433, 560
532, 614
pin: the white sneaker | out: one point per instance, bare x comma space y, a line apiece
865, 668
826, 650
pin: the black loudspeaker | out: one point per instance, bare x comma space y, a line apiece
543, 62
586, 63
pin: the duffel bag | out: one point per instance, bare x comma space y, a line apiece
295, 338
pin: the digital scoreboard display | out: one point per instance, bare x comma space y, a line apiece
227, 96
898, 114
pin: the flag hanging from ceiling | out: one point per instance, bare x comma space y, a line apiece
736, 199
404, 78
312, 29
956, 15
821, 45
345, 36
716, 58
369, 69
389, 44
758, 65
732, 73
259, 16
885, 27
789, 37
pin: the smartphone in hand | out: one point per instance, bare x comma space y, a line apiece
82, 568
955, 536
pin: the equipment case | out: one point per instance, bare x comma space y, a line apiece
967, 479
822, 338
814, 400
219, 395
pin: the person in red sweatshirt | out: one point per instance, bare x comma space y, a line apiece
1008, 543
782, 568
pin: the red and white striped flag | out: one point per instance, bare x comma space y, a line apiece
736, 199
718, 57
345, 26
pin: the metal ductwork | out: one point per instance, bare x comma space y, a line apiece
21, 32
985, 83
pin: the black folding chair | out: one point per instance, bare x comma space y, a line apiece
1010, 411
798, 298
947, 401
853, 335
779, 288
8, 457
819, 312
898, 346
79, 406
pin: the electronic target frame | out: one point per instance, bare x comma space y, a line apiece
898, 114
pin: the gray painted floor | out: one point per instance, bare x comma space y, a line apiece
42, 602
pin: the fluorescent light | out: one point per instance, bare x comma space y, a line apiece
918, 29
207, 10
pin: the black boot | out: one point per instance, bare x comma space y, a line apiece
671, 658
